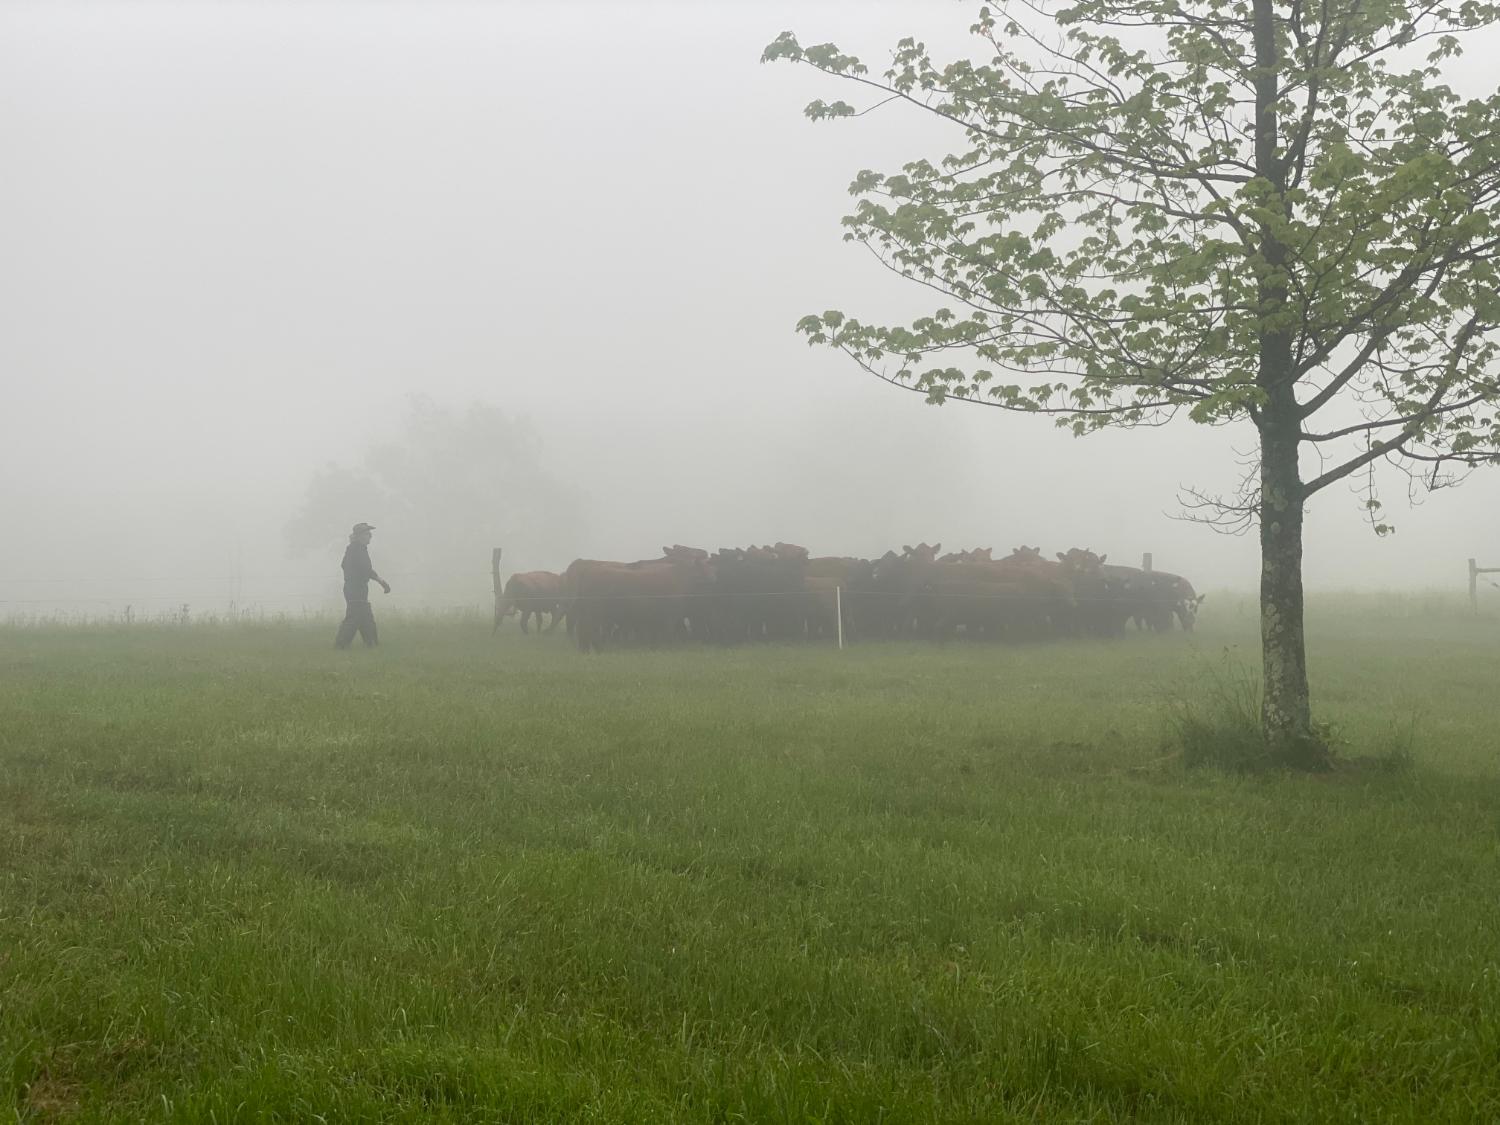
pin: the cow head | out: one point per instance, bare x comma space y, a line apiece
1187, 605
975, 555
1080, 560
888, 565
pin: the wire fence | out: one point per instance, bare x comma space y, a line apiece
331, 590
264, 615
836, 608
228, 592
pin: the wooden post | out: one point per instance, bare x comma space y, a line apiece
499, 587
1473, 586
838, 611
1146, 562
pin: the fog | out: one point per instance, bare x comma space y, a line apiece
246, 249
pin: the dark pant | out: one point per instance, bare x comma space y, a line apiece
360, 618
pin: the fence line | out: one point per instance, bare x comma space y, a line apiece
804, 594
234, 594
330, 584
324, 576
188, 599
1475, 570
291, 599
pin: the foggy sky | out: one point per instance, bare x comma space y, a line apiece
235, 238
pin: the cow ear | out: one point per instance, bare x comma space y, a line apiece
1102, 558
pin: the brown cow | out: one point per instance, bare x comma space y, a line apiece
646, 602
759, 594
852, 580
1015, 599
1102, 603
820, 606
1152, 598
532, 592
987, 604
895, 603
1174, 595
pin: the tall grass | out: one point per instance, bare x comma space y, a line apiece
1217, 722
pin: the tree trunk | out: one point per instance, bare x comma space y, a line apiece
1286, 712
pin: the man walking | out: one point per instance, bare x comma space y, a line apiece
358, 571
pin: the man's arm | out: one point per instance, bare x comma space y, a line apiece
384, 585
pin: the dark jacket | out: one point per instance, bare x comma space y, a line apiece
358, 570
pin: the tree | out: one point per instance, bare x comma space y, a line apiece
1273, 213
451, 486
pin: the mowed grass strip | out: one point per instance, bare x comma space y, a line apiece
465, 878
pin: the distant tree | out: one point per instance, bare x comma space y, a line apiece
453, 484
1254, 211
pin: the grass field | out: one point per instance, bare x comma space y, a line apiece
245, 878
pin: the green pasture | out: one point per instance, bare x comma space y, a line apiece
465, 878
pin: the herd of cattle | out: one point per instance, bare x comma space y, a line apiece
780, 593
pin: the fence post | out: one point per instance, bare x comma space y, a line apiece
1146, 562
499, 588
1473, 586
838, 612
